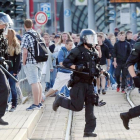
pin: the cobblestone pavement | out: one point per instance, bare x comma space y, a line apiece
109, 124
52, 125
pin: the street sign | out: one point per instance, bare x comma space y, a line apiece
46, 8
134, 15
125, 15
80, 2
67, 12
41, 18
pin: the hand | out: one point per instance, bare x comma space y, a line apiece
108, 67
101, 103
14, 74
137, 81
51, 70
98, 48
115, 64
79, 67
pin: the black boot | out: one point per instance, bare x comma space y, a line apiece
125, 118
2, 122
89, 134
56, 102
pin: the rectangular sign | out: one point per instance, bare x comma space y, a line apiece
80, 2
125, 15
46, 7
123, 1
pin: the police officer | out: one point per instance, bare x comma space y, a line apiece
5, 21
133, 58
81, 59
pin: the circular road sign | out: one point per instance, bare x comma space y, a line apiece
41, 18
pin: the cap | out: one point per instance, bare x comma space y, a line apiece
57, 36
116, 29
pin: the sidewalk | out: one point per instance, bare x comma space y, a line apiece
21, 123
109, 124
135, 96
47, 124
52, 125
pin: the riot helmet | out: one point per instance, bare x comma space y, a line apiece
5, 20
88, 37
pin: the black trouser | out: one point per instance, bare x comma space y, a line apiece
78, 94
121, 67
4, 91
134, 112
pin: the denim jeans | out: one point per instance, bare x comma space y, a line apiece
65, 90
13, 89
52, 79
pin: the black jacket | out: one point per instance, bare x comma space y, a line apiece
109, 45
134, 56
16, 63
122, 51
80, 55
132, 42
105, 54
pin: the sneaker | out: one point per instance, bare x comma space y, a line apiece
41, 105
114, 86
24, 99
123, 91
33, 107
103, 92
98, 91
13, 108
118, 88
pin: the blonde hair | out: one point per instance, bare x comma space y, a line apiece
13, 44
61, 40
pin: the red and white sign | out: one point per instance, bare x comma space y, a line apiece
41, 18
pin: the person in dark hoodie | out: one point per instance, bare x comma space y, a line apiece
107, 43
122, 51
129, 39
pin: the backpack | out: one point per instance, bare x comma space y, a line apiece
40, 50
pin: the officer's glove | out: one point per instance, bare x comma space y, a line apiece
101, 103
137, 81
79, 67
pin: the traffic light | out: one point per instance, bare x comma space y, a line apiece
14, 8
20, 9
7, 7
109, 13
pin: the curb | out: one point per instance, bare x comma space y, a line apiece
28, 127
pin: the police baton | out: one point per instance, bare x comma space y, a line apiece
62, 67
8, 73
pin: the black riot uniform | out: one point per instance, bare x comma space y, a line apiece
82, 87
5, 21
133, 58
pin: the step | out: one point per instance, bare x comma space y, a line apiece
21, 123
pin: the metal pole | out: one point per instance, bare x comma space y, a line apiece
113, 24
27, 9
67, 16
91, 15
133, 18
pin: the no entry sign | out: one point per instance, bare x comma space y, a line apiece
41, 18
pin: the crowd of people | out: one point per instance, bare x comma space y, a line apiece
114, 49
